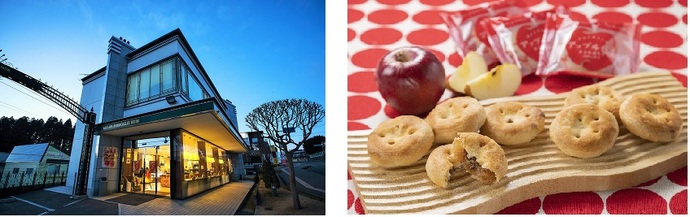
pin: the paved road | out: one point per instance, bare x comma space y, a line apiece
50, 203
310, 177
222, 200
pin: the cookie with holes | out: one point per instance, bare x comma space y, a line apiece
584, 130
602, 96
513, 123
400, 141
651, 117
476, 154
459, 114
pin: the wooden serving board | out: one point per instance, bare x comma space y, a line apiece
536, 169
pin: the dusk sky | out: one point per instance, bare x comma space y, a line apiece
253, 51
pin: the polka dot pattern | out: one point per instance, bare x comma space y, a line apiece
530, 206
671, 40
381, 36
679, 177
611, 3
657, 19
565, 83
667, 59
567, 3
635, 201
573, 203
613, 17
387, 16
426, 37
377, 26
430, 17
654, 3
368, 58
360, 107
362, 82
679, 202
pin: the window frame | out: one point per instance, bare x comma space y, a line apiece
161, 92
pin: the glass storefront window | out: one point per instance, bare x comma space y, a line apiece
190, 155
202, 159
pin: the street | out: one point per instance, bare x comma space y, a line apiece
309, 175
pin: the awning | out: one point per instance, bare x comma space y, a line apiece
199, 118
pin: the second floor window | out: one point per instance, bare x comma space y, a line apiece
160, 79
151, 82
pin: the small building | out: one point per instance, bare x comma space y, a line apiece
3, 158
42, 159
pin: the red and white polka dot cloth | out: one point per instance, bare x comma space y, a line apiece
375, 27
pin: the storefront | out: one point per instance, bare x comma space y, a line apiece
162, 128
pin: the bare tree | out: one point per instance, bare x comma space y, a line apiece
277, 119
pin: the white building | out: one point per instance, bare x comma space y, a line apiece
30, 160
162, 127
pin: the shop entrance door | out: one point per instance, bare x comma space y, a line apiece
149, 166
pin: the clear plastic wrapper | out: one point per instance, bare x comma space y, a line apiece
517, 39
594, 49
469, 36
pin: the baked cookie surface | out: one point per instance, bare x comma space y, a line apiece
481, 156
651, 117
459, 114
512, 123
584, 130
476, 154
601, 96
400, 141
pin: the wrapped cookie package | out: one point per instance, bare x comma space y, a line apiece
594, 49
546, 42
468, 35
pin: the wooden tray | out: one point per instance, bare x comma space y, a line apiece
536, 169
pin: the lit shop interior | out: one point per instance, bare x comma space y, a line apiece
154, 164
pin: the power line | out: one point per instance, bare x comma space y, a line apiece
59, 109
6, 105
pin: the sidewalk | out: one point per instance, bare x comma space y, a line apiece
223, 200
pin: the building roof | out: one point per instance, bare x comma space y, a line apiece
27, 153
3, 156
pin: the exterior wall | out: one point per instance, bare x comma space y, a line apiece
106, 95
100, 171
9, 167
152, 105
91, 97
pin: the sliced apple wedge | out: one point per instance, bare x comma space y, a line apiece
501, 81
472, 66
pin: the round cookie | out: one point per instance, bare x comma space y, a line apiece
651, 117
512, 123
602, 96
460, 114
480, 156
477, 154
584, 130
400, 141
439, 165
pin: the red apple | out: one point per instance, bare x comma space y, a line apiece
411, 80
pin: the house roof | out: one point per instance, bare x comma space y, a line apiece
27, 153
3, 156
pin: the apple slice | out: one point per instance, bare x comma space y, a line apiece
503, 80
472, 66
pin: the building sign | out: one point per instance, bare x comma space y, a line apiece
120, 124
109, 157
